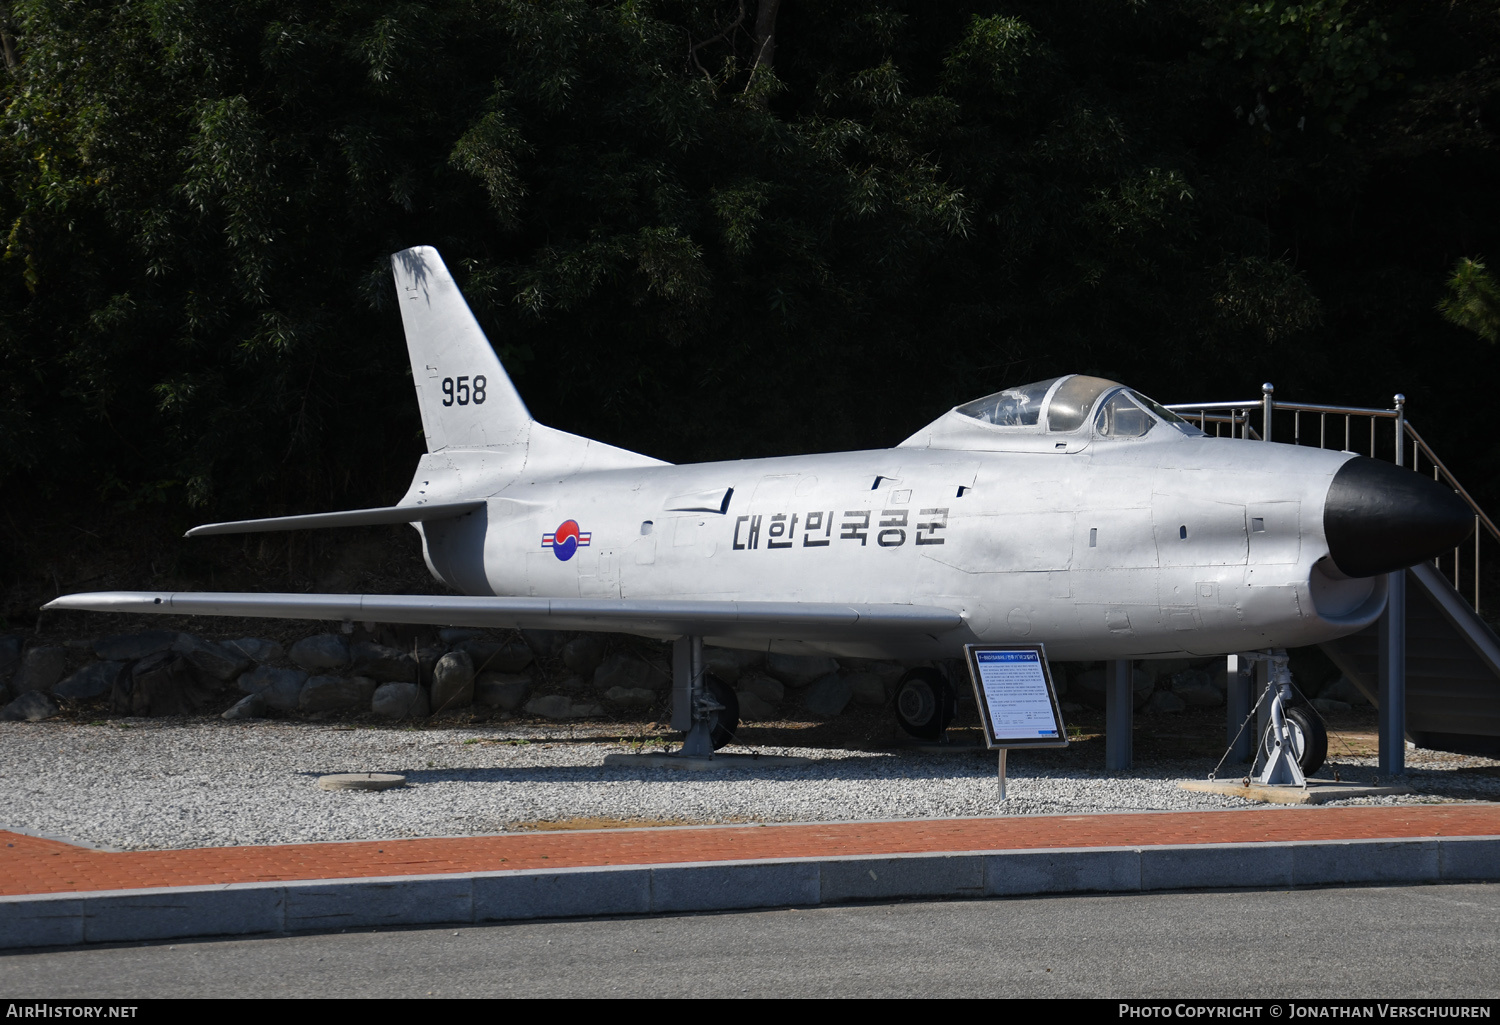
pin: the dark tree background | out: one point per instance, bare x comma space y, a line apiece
711, 230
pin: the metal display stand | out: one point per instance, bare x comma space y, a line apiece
1017, 699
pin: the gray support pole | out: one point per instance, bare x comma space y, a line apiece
1392, 731
1237, 702
1267, 407
1119, 714
1263, 713
687, 668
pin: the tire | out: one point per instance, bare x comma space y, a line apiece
924, 703
1309, 738
726, 720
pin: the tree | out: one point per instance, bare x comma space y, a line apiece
1473, 300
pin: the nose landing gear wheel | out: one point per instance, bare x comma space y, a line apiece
726, 721
924, 703
1309, 739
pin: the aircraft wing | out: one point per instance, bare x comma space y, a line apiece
650, 617
349, 518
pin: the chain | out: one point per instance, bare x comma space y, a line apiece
1215, 773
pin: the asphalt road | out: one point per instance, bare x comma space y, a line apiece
1410, 941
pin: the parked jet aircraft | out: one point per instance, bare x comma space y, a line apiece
1074, 511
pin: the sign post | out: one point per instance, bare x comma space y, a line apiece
1017, 699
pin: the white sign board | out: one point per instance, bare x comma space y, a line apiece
1017, 701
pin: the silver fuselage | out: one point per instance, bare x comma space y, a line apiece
1159, 546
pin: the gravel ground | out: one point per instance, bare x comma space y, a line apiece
153, 783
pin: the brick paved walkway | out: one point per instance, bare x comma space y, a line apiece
30, 865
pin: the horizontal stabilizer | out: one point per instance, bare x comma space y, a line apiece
650, 618
349, 518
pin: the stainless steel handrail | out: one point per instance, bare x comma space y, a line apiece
1238, 418
1305, 407
1453, 481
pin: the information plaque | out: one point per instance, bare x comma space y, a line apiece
1017, 701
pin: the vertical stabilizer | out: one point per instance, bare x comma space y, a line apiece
466, 398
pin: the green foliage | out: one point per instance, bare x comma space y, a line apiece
1331, 55
683, 252
1473, 300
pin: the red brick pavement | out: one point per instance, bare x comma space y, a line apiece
31, 865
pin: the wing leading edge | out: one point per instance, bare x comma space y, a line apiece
348, 518
663, 619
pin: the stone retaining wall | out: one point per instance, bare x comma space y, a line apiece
493, 674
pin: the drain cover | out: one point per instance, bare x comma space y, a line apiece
361, 781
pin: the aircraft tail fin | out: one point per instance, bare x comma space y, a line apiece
466, 398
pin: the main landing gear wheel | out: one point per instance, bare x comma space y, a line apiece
1309, 738
726, 721
924, 703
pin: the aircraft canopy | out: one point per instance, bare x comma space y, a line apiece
1062, 405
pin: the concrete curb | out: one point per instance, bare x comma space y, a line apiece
238, 909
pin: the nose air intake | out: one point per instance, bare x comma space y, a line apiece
1379, 518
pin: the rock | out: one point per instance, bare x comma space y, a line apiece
255, 649
321, 651
251, 706
495, 657
506, 691
551, 706
546, 643
212, 661
282, 688
399, 701
1189, 678
161, 684
828, 696
573, 684
1326, 705
729, 664
10, 657
382, 664
622, 670
1143, 683
1088, 687
560, 706
799, 670
754, 708
130, 647
32, 706
1165, 701
455, 635
1343, 689
335, 693
1166, 668
40, 669
583, 654
764, 687
631, 697
92, 681
453, 682
868, 689
1200, 695
427, 660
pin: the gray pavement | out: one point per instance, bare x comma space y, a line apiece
1438, 941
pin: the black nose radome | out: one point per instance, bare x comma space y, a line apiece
1380, 518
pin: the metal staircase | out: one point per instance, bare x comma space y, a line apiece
1432, 664
1452, 688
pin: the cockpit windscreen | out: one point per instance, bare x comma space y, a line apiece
1062, 405
1013, 407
